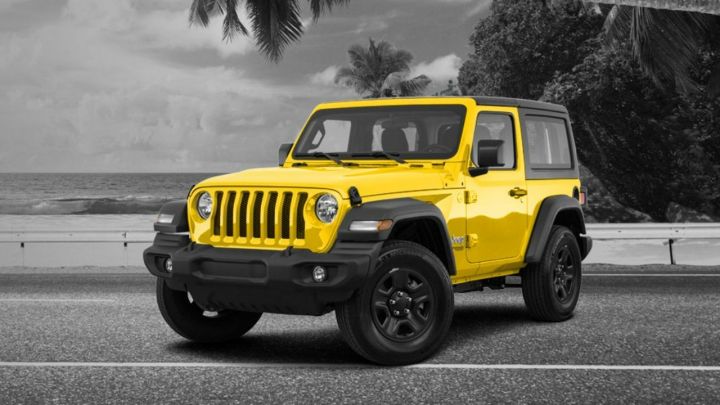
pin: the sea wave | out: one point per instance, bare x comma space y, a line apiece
89, 205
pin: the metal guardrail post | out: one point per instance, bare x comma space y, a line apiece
670, 245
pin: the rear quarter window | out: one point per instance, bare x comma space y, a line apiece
548, 143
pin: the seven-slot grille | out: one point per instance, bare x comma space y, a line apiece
259, 214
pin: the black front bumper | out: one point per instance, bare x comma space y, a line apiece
261, 280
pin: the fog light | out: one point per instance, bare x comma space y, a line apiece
168, 265
319, 274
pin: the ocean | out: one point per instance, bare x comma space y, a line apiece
92, 193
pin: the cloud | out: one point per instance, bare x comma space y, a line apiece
481, 7
371, 25
6, 4
155, 28
76, 98
440, 69
117, 85
325, 77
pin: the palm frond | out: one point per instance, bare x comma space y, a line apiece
714, 82
231, 23
617, 24
666, 43
378, 68
415, 86
202, 10
345, 76
276, 24
320, 7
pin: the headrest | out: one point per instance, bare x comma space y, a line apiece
482, 132
448, 135
394, 140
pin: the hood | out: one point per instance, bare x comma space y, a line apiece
369, 181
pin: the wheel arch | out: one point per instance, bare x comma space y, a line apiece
413, 220
556, 210
177, 211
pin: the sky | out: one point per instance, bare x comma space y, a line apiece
129, 86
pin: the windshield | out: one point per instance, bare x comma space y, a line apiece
404, 132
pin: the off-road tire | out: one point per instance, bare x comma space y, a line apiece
187, 319
543, 296
428, 282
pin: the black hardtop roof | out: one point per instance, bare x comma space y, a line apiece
483, 100
519, 102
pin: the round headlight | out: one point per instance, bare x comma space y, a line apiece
326, 208
204, 205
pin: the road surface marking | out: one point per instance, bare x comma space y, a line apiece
608, 367
651, 275
79, 300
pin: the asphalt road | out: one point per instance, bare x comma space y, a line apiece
69, 338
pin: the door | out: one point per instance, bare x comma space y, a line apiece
495, 201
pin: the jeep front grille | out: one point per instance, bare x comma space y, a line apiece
259, 216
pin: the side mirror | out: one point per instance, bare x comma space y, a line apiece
487, 154
283, 153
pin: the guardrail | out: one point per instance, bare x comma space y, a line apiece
654, 231
671, 233
77, 236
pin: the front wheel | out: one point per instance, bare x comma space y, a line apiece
403, 313
194, 323
551, 287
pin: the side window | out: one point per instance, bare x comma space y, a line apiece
331, 136
497, 126
548, 145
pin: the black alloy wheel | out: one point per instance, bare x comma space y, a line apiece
403, 304
403, 312
564, 274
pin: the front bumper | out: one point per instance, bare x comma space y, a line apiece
261, 280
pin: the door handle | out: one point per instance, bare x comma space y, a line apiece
518, 192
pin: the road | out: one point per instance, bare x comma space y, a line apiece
648, 334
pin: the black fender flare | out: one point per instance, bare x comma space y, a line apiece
550, 208
179, 222
398, 210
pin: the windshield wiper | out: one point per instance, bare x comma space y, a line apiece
333, 157
380, 153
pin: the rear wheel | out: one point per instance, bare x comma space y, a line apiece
403, 313
551, 287
197, 324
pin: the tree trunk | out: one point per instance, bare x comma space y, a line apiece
698, 6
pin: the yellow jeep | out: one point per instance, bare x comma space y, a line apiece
380, 211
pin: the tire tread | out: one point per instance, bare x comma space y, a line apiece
346, 312
537, 300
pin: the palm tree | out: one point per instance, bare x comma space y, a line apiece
275, 23
667, 36
667, 43
380, 70
696, 6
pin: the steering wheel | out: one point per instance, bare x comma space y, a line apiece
437, 148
